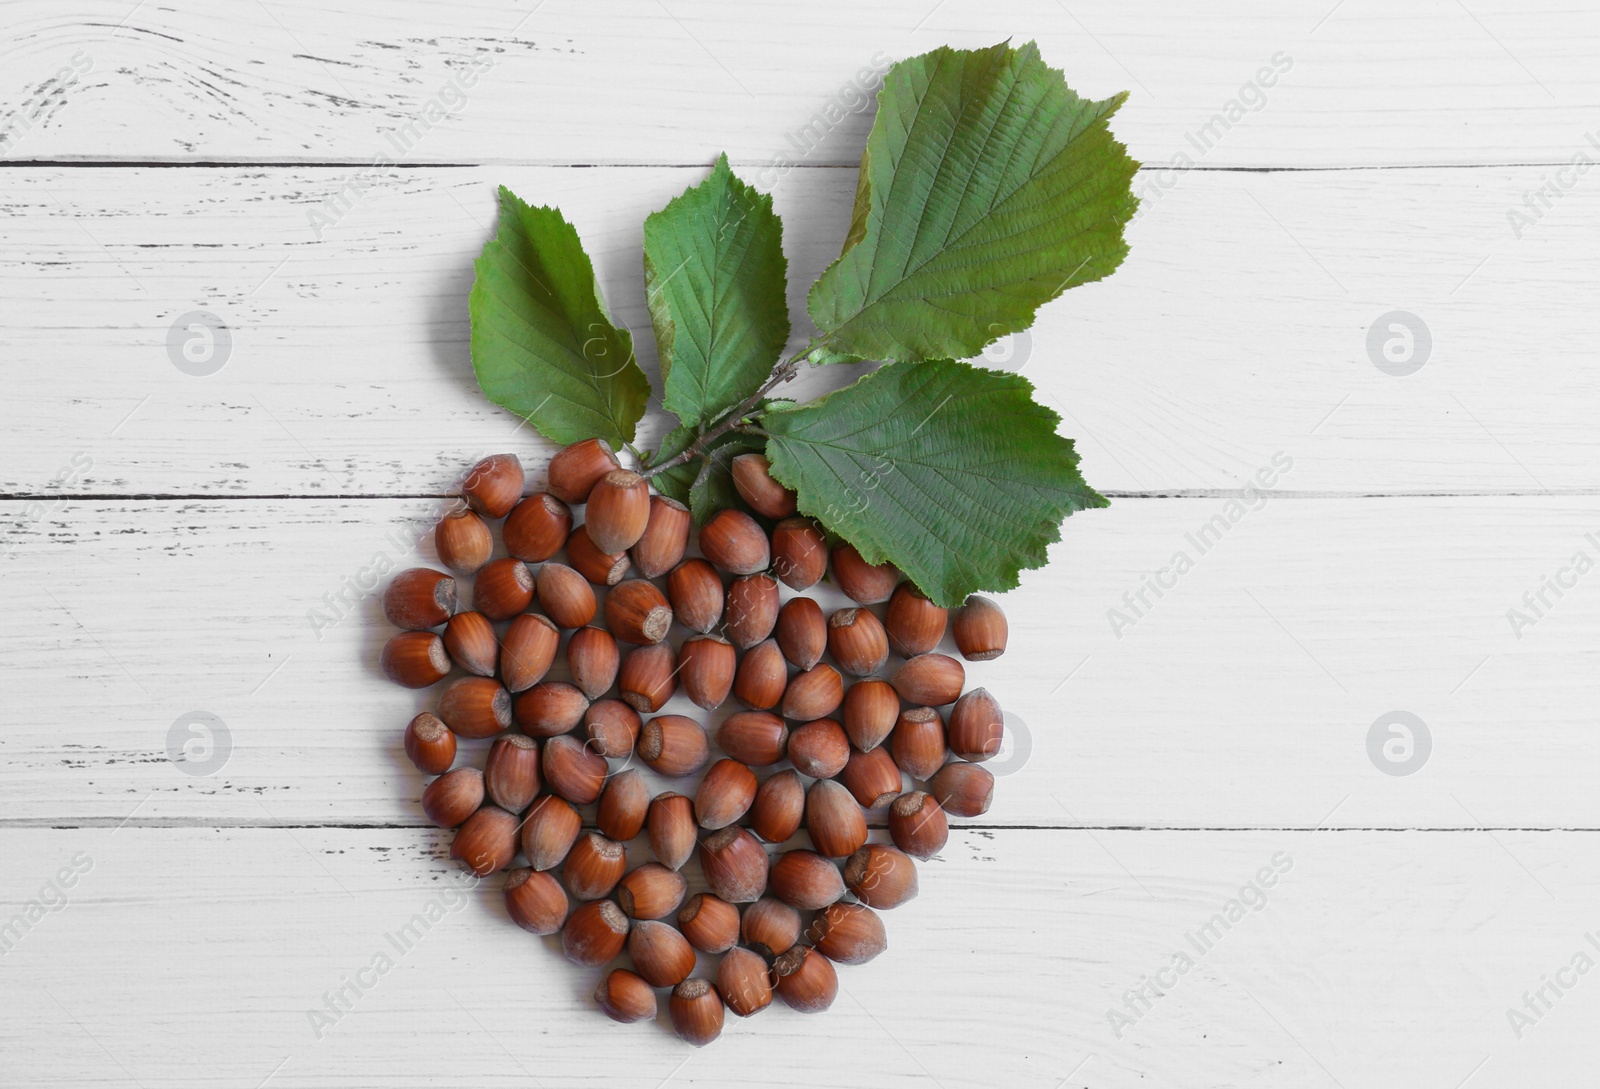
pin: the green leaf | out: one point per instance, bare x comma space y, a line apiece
715, 277
950, 471
705, 484
987, 189
542, 343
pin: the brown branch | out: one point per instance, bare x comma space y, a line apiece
733, 417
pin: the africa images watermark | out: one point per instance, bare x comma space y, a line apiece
403, 543
1537, 203
449, 99
1250, 98
852, 98
1137, 603
51, 899
1539, 602
35, 510
1542, 999
15, 126
340, 1001
1138, 1001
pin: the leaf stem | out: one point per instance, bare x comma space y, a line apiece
735, 416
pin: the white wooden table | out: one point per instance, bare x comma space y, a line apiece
166, 536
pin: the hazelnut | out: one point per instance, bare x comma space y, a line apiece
849, 933
752, 609
725, 794
575, 470
805, 880
600, 568
744, 982
963, 789
754, 737
549, 831
977, 726
881, 876
572, 771
806, 980
660, 954
594, 866
612, 728
666, 537
565, 596
626, 997
535, 901
648, 677
472, 644
673, 745
593, 659
734, 542
475, 707
503, 588
799, 553
695, 591
463, 541
857, 641
696, 1012
537, 527
834, 819
549, 708
453, 797
819, 749
486, 841
734, 864
814, 694
624, 803
709, 922
511, 772
917, 824
779, 807
872, 777
752, 479
980, 630
430, 745
494, 485
528, 650
651, 891
594, 933
770, 927
617, 511
931, 680
918, 742
915, 624
761, 676
415, 659
705, 667
419, 598
870, 709
802, 632
864, 583
637, 612
672, 829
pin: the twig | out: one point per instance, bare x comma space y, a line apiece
734, 416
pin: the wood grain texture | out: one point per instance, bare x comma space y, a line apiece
1241, 697
1237, 329
1373, 959
1401, 83
1217, 724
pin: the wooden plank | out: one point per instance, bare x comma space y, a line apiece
636, 82
1239, 328
1243, 696
1001, 972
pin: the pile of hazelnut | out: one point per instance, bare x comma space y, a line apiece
780, 925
